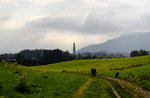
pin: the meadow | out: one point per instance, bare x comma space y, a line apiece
73, 79
16, 81
84, 66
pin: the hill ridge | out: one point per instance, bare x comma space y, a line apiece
124, 43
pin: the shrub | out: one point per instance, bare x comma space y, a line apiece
22, 88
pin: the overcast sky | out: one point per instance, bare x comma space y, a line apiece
50, 24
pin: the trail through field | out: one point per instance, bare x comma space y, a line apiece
78, 94
134, 90
129, 87
114, 91
132, 66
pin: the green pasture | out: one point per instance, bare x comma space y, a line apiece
138, 75
84, 66
64, 80
38, 84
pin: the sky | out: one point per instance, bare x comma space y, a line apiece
51, 24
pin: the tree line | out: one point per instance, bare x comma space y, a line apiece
141, 52
42, 57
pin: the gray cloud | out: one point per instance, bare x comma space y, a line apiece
4, 18
92, 24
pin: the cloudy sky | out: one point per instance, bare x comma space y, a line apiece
50, 24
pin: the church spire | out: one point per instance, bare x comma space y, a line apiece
74, 49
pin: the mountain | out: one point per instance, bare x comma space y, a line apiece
125, 43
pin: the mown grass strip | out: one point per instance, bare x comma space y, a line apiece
98, 88
78, 94
132, 66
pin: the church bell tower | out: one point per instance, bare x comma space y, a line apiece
74, 50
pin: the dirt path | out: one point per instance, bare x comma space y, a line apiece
132, 66
78, 94
114, 91
133, 89
129, 87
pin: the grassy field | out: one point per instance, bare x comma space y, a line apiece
16, 81
98, 88
139, 75
73, 78
84, 66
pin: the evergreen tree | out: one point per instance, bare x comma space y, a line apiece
134, 53
141, 52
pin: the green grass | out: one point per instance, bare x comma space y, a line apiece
138, 75
39, 84
121, 91
98, 88
49, 80
105, 67
84, 66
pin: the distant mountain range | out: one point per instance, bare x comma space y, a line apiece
125, 43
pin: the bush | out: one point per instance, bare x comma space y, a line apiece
22, 88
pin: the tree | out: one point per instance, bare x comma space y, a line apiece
19, 58
79, 56
88, 56
141, 52
134, 53
94, 57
